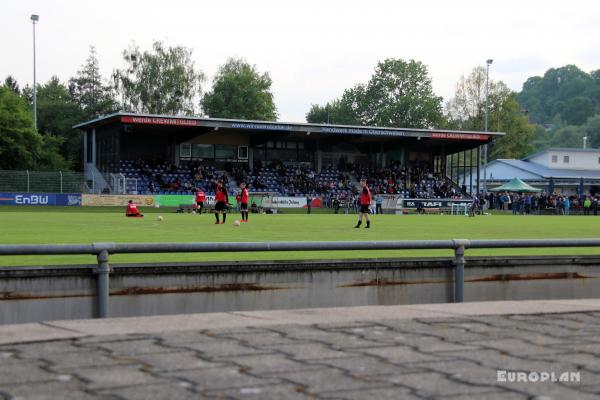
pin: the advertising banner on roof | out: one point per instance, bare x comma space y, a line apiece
459, 136
160, 121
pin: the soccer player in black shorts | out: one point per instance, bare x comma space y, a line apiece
221, 200
244, 202
365, 203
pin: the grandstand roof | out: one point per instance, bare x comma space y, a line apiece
289, 127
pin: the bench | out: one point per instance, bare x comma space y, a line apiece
186, 208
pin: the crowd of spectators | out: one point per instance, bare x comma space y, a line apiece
538, 203
416, 181
161, 177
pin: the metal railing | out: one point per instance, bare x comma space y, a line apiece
42, 182
102, 252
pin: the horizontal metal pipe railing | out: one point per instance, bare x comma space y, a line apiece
104, 249
201, 247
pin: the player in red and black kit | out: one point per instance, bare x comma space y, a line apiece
132, 210
244, 202
365, 203
200, 199
221, 199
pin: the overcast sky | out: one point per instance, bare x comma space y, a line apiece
312, 49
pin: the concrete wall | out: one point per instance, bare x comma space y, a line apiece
38, 294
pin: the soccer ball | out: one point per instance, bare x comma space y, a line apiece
236, 223
159, 218
157, 205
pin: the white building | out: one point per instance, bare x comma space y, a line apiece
560, 169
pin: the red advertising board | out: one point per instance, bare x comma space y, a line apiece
160, 121
459, 136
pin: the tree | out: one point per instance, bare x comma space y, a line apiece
516, 143
592, 131
334, 112
467, 108
57, 113
88, 90
12, 84
239, 90
577, 110
19, 142
567, 92
399, 94
466, 111
160, 81
567, 136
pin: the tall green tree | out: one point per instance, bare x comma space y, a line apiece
57, 113
160, 81
239, 90
518, 131
21, 147
19, 142
399, 94
89, 91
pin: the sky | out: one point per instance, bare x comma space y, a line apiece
312, 49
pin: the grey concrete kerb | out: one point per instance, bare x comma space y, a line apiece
68, 329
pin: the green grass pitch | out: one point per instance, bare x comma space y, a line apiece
49, 225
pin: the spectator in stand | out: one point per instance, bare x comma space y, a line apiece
567, 205
378, 204
336, 205
560, 206
175, 184
527, 204
587, 204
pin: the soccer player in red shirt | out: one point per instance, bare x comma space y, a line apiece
221, 199
200, 199
132, 210
244, 202
365, 203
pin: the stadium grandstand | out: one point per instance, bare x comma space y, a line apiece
153, 154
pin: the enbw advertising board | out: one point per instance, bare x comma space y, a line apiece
40, 199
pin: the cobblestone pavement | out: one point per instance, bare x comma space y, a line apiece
430, 358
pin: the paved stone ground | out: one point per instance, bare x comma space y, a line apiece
455, 357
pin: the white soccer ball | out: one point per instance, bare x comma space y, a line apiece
159, 218
157, 205
236, 223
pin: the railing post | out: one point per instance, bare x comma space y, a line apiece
61, 181
103, 272
27, 180
459, 269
